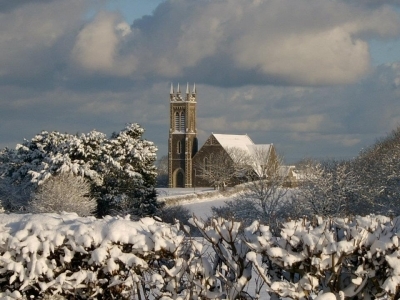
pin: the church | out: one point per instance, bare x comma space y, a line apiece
183, 153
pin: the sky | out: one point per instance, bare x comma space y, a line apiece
317, 78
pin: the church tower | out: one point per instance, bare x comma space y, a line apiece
182, 142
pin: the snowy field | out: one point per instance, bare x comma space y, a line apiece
201, 208
163, 192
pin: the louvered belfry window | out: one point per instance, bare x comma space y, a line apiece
177, 121
182, 121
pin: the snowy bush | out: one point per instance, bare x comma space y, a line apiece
358, 257
354, 257
64, 192
63, 255
50, 254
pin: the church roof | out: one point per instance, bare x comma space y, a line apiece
234, 141
243, 142
240, 141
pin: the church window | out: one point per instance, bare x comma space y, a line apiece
182, 121
177, 121
179, 147
205, 164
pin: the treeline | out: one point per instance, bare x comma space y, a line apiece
367, 184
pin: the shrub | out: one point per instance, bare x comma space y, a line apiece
64, 192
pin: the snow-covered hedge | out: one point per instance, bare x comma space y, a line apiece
359, 256
69, 255
49, 254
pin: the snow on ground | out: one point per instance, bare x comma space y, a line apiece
164, 192
201, 208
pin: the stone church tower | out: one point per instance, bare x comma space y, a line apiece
182, 143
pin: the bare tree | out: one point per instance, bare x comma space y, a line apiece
328, 189
378, 170
64, 192
265, 191
224, 167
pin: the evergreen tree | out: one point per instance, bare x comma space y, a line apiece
120, 170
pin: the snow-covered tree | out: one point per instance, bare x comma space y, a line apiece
130, 177
328, 188
378, 169
64, 192
119, 168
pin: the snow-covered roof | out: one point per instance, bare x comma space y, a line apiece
240, 141
244, 143
234, 141
259, 148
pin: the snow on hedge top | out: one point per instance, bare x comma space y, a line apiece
63, 253
24, 233
28, 242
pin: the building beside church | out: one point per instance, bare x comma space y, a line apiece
184, 158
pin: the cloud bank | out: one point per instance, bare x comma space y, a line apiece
294, 73
263, 42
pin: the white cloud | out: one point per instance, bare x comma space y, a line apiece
302, 42
225, 42
34, 35
97, 46
272, 54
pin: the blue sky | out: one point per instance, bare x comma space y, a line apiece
318, 78
133, 9
383, 52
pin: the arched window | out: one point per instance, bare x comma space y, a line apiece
179, 147
177, 121
183, 121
